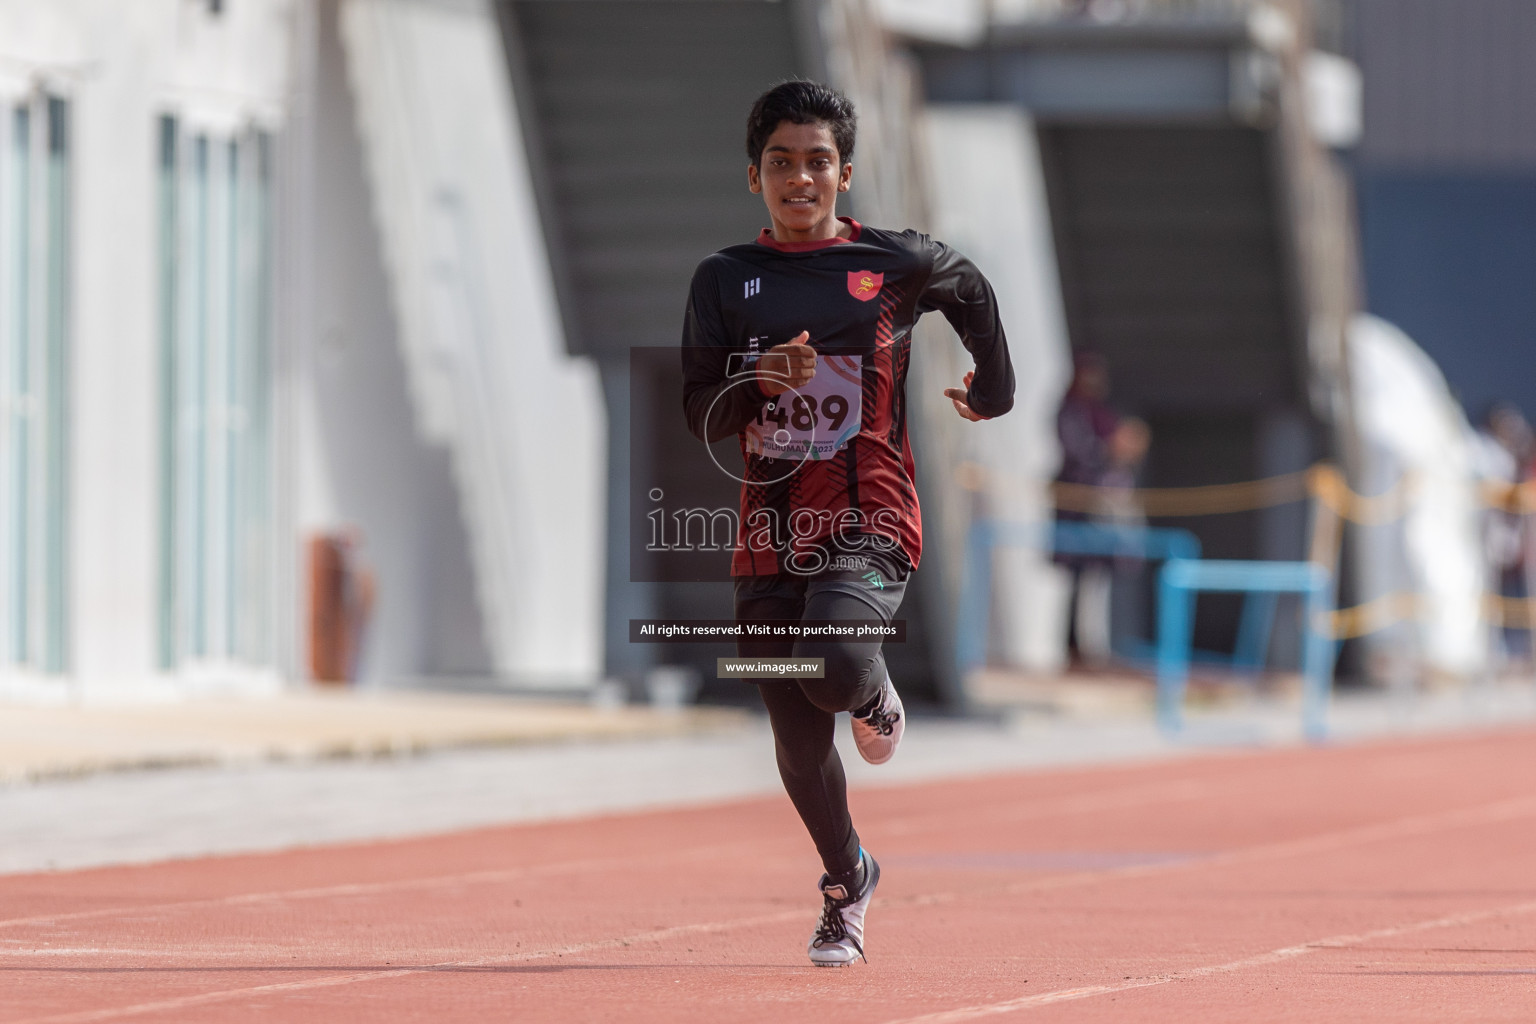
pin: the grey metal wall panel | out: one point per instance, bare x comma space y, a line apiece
1112, 83
640, 106
1449, 84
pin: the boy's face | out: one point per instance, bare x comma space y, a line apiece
799, 178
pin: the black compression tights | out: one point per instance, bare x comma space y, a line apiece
803, 714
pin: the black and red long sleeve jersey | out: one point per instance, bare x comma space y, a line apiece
830, 460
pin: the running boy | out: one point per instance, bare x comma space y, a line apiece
798, 342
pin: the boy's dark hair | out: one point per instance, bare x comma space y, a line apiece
801, 102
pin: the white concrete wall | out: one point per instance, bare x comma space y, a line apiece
121, 66
476, 316
989, 202
361, 460
348, 448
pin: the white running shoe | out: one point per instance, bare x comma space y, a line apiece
878, 732
839, 936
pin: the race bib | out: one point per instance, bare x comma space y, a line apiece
813, 422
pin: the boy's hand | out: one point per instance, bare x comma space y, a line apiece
957, 395
790, 365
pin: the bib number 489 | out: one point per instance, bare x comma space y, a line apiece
803, 413
812, 422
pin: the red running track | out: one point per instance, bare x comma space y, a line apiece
1388, 882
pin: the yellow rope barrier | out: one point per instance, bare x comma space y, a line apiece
1373, 616
1403, 606
1517, 498
1510, 612
1322, 482
1335, 501
1212, 499
1328, 486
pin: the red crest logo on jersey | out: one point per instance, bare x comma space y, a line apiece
864, 285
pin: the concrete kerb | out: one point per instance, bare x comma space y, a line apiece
45, 742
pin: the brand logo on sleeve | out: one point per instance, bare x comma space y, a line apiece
864, 285
752, 287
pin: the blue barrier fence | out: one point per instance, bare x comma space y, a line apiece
1151, 543
1181, 579
1184, 574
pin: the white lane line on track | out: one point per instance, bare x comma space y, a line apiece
322, 892
1112, 799
1082, 803
660, 934
968, 1013
345, 889
504, 960
1398, 828
1497, 811
143, 954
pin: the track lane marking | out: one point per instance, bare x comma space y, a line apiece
506, 959
280, 895
1412, 825
661, 934
968, 1013
1111, 799
1398, 828
1076, 804
371, 888
1082, 803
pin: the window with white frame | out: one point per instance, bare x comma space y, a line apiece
215, 375
34, 367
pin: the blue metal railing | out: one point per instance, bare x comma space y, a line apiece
1183, 575
1181, 579
1071, 538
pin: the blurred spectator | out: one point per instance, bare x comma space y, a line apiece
1127, 448
1101, 449
1504, 448
1085, 423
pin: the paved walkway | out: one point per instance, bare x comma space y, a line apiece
313, 724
